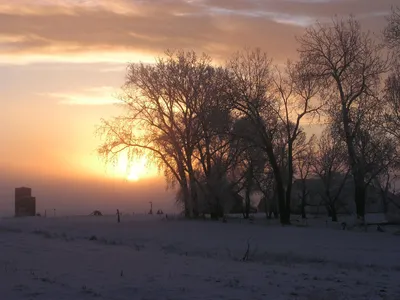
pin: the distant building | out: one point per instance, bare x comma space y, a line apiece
25, 204
375, 202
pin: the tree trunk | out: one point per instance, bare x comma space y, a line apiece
384, 197
280, 190
218, 208
356, 167
334, 214
328, 208
186, 201
284, 216
185, 191
247, 204
303, 208
360, 200
193, 190
276, 212
303, 200
385, 204
266, 210
289, 179
193, 196
274, 206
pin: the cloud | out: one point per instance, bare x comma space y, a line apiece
130, 30
104, 95
114, 68
78, 56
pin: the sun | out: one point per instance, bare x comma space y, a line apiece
133, 170
134, 174
136, 170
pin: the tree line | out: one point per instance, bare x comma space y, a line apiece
217, 131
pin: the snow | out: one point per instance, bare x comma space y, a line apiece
149, 257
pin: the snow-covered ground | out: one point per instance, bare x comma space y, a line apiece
149, 257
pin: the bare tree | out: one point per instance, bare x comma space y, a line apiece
391, 122
392, 30
300, 97
330, 165
392, 88
251, 160
303, 169
349, 63
275, 103
160, 107
215, 159
253, 101
216, 192
392, 101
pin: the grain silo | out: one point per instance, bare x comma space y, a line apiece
25, 204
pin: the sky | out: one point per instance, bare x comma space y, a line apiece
62, 63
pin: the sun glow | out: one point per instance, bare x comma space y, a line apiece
134, 170
137, 170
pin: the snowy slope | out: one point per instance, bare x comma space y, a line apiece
152, 258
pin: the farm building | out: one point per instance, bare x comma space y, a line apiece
376, 202
25, 204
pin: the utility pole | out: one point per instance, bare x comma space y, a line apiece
118, 216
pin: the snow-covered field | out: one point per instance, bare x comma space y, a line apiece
149, 257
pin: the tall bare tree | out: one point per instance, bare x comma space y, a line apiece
251, 160
254, 101
392, 97
392, 90
275, 102
349, 63
160, 111
214, 159
299, 94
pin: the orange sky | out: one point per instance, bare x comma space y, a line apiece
62, 61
